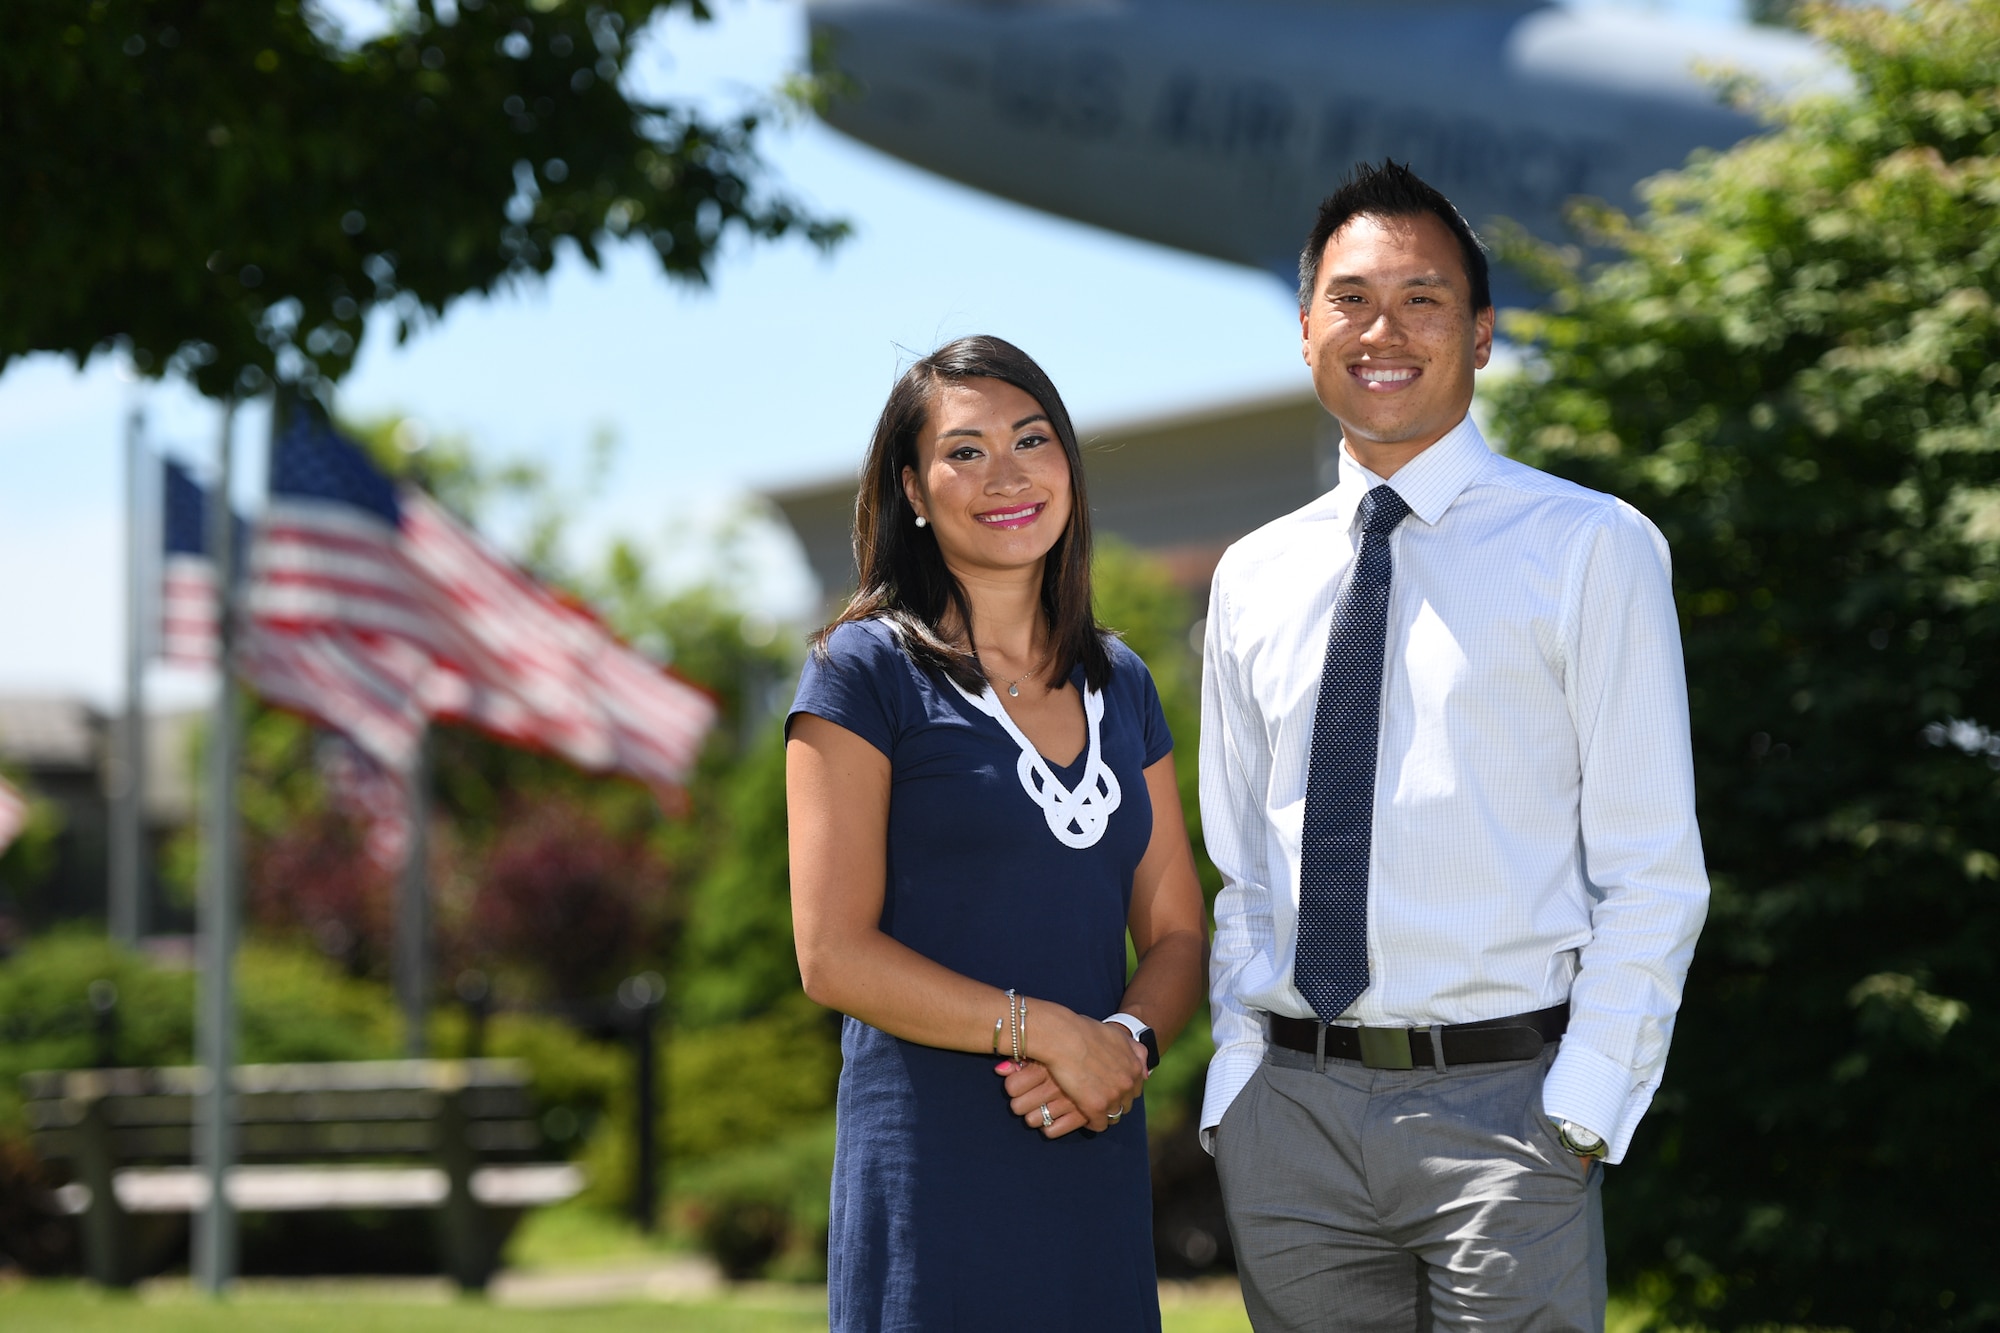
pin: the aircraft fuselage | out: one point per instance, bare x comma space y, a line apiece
1217, 127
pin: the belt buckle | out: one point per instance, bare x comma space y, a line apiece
1385, 1048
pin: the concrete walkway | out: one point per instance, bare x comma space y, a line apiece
667, 1277
679, 1277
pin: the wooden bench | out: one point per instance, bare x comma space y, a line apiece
452, 1136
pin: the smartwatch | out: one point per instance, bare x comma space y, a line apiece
1141, 1034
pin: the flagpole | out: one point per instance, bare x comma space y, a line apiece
215, 1139
126, 908
413, 906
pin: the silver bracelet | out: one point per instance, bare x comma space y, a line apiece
1014, 1023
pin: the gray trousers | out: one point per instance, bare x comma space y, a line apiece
1392, 1201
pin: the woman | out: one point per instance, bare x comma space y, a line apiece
982, 802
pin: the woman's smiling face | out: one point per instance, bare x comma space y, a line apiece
991, 477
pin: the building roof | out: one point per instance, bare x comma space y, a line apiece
49, 732
50, 735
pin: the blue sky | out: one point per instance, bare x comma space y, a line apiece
770, 377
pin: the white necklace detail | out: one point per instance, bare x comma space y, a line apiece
1077, 817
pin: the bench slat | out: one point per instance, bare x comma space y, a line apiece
497, 1137
159, 1109
327, 1076
155, 1143
281, 1189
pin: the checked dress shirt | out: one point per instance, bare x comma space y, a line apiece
1534, 836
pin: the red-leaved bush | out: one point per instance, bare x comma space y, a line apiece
315, 878
568, 898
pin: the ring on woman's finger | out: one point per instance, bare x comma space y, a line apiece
1048, 1121
1114, 1116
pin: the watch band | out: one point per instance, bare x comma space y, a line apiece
1141, 1034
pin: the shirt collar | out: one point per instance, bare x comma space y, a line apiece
1428, 483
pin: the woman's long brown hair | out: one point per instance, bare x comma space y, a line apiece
903, 578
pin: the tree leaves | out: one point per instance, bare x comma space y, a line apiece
1792, 367
228, 190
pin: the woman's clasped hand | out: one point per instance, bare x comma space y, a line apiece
1094, 1074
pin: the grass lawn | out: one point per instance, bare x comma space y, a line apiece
68, 1307
364, 1307
50, 1307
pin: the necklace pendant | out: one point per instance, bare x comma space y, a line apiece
1014, 691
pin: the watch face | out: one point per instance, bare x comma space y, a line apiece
1579, 1140
1152, 1045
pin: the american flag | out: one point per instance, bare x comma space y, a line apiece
187, 574
13, 813
375, 611
369, 793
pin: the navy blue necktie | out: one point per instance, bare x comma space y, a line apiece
1331, 965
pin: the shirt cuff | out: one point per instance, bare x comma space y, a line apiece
1596, 1093
1229, 1072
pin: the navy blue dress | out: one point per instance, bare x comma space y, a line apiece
948, 1212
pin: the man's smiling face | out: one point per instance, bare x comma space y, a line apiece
1392, 338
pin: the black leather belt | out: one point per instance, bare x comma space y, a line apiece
1488, 1041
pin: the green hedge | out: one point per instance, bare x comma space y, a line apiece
294, 1006
762, 1212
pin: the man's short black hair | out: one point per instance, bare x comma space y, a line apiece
1391, 190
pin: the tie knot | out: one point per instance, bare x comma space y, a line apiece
1381, 510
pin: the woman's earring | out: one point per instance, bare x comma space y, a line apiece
923, 522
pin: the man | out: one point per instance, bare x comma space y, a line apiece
1445, 772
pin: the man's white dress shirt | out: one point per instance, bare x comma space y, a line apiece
1534, 834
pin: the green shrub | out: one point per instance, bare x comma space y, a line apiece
737, 954
745, 1084
294, 1005
577, 1082
582, 1091
762, 1212
45, 1017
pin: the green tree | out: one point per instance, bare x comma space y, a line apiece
1775, 13
1139, 601
737, 958
228, 189
1793, 366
